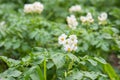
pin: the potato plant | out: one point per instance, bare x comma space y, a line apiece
59, 39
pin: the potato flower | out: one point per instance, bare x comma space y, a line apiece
69, 44
68, 48
76, 8
28, 8
87, 19
102, 18
90, 18
72, 22
75, 47
36, 7
73, 39
62, 39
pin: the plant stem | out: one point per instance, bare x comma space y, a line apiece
45, 71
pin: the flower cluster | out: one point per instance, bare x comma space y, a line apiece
36, 7
102, 18
72, 22
87, 19
76, 8
69, 44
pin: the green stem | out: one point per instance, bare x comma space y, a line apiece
45, 71
70, 65
26, 77
98, 53
40, 73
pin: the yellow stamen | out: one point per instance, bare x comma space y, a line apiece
69, 49
62, 39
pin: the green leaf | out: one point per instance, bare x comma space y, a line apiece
25, 47
115, 12
9, 78
106, 36
10, 62
33, 34
101, 60
16, 45
41, 77
11, 72
110, 71
115, 30
94, 63
85, 46
72, 57
28, 72
91, 75
8, 44
2, 43
50, 64
104, 47
15, 73
58, 60
77, 75
34, 76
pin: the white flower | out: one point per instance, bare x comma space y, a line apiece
102, 18
76, 8
2, 23
83, 19
71, 43
75, 47
68, 42
38, 7
62, 39
75, 41
68, 48
73, 37
87, 19
72, 22
28, 8
89, 15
